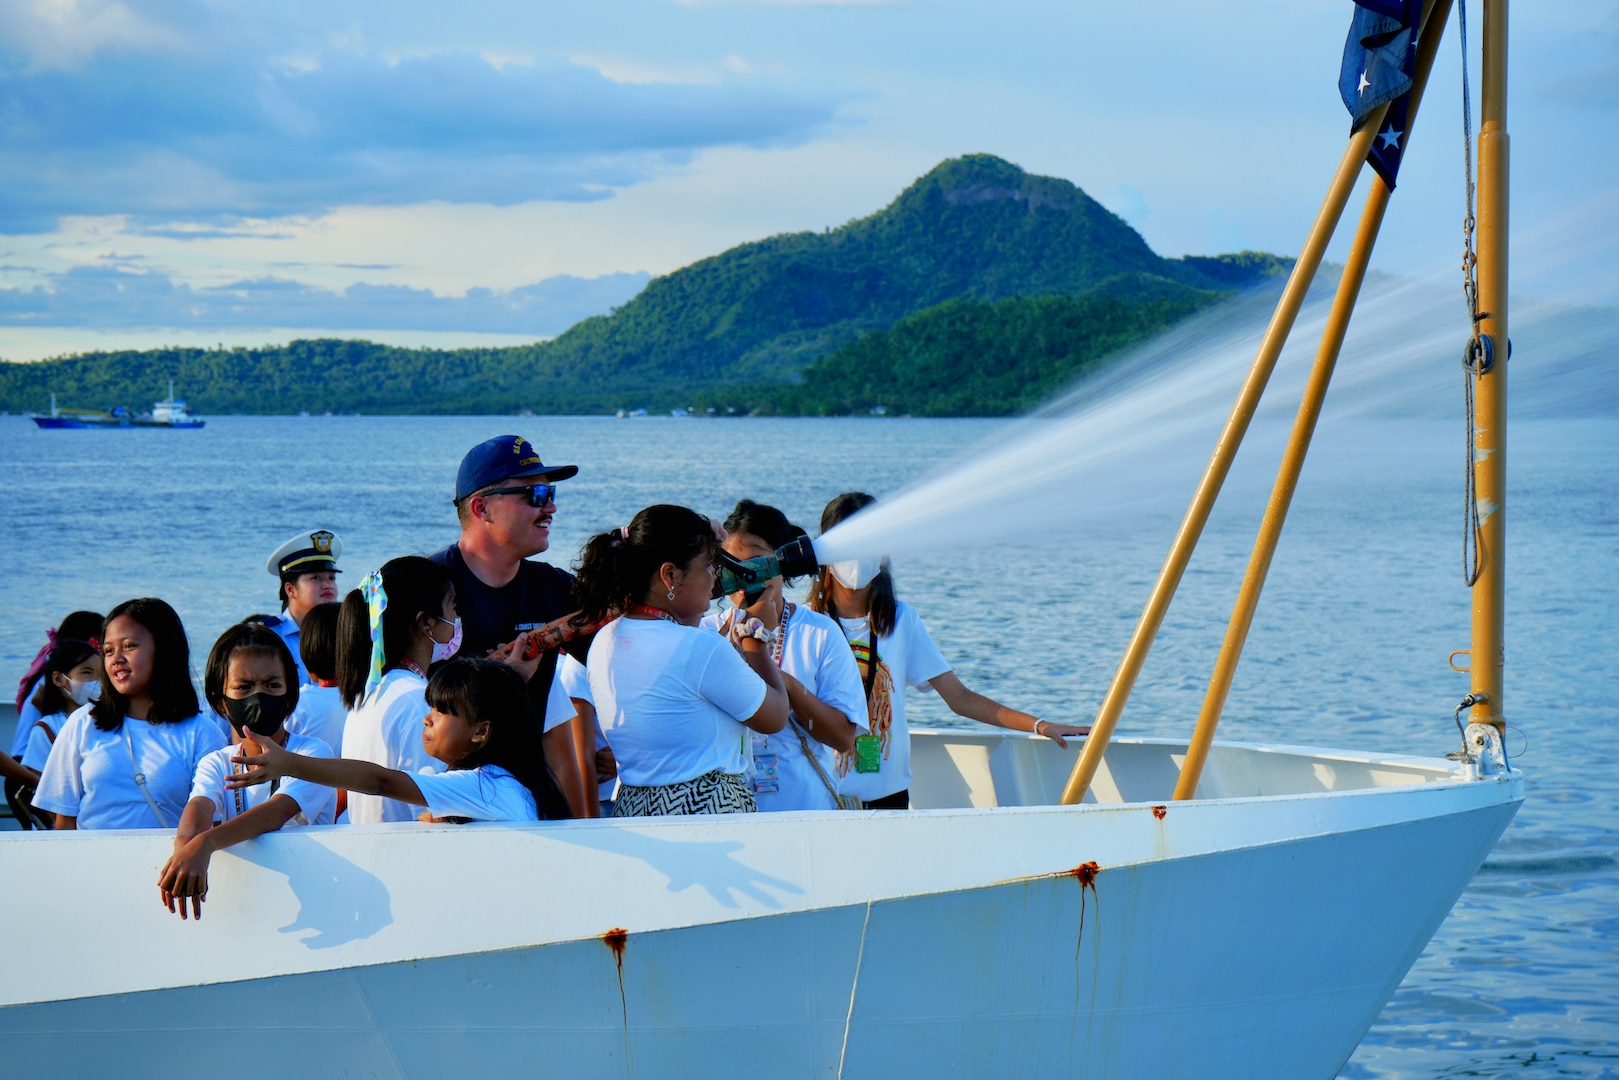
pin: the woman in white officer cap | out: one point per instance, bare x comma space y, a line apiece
306, 566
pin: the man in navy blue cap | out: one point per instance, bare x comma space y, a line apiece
505, 498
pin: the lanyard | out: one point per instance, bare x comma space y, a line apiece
241, 799
870, 679
652, 612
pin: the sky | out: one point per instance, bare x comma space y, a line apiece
202, 171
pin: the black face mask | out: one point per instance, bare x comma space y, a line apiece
262, 714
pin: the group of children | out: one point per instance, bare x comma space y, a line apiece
767, 705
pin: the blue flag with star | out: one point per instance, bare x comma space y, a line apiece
1380, 58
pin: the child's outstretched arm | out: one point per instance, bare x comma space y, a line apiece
266, 761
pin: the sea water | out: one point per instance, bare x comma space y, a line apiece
1364, 603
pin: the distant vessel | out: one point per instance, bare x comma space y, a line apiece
168, 413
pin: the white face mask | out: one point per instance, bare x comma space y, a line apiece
443, 650
85, 692
856, 573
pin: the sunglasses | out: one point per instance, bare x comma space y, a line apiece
538, 494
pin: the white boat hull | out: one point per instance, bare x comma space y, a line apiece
1230, 936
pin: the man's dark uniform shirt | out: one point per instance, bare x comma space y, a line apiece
492, 617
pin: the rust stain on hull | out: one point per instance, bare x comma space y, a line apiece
616, 939
1085, 875
1160, 812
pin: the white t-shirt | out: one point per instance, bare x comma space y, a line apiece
386, 729
90, 774
487, 793
575, 682
907, 657
320, 714
26, 715
558, 705
37, 744
671, 700
317, 803
815, 653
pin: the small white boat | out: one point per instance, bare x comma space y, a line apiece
170, 412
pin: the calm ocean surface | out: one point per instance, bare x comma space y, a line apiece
1364, 603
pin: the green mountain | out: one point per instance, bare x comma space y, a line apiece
977, 232
977, 358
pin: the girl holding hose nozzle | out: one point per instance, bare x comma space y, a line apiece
795, 768
893, 650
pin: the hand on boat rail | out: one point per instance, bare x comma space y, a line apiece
1059, 733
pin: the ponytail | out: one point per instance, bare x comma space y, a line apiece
616, 568
353, 648
411, 585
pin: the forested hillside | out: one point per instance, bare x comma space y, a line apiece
934, 297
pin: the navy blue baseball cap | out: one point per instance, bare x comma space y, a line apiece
505, 457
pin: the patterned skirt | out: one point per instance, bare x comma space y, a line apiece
712, 793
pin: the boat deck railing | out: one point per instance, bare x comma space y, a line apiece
953, 768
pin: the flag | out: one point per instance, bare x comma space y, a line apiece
1380, 58
1389, 146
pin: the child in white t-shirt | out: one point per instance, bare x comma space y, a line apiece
795, 768
480, 726
252, 681
676, 702
69, 677
125, 761
398, 623
894, 650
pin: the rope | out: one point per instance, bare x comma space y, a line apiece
1472, 565
1476, 354
1469, 222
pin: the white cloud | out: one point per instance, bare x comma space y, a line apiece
500, 61
633, 72
64, 34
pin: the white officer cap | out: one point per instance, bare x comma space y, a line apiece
307, 553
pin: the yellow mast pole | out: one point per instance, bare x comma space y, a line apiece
1225, 450
1298, 443
1490, 392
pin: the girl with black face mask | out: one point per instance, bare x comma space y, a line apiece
252, 681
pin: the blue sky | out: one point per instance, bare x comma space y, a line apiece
181, 170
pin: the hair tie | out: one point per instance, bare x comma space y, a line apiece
376, 601
623, 532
